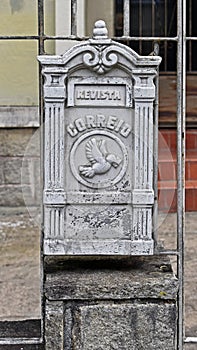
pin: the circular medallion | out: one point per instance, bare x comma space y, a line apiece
98, 159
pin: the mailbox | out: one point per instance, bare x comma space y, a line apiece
98, 149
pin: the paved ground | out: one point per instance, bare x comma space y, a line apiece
19, 265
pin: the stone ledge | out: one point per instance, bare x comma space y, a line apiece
129, 278
19, 117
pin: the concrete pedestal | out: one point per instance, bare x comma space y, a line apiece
125, 304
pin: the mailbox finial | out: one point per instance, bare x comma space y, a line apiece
100, 31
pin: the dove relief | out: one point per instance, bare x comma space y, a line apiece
100, 159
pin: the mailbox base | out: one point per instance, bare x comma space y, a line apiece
98, 247
125, 303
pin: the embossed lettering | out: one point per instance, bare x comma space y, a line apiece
98, 94
111, 122
90, 121
125, 131
93, 94
111, 95
80, 94
118, 126
99, 121
87, 94
80, 124
72, 130
117, 95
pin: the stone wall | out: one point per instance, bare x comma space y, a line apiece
19, 167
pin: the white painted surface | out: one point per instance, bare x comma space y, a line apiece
98, 183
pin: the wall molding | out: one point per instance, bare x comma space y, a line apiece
19, 117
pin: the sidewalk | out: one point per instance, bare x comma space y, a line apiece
167, 234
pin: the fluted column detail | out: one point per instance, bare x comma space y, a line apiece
143, 193
54, 145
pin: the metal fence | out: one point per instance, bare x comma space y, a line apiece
181, 40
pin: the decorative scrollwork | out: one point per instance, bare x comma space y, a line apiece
99, 56
100, 60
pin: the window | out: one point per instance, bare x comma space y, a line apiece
158, 18
150, 18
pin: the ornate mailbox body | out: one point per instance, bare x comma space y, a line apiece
98, 149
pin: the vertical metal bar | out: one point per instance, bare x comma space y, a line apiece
40, 52
41, 116
190, 34
166, 34
73, 17
41, 26
181, 104
155, 157
140, 26
153, 17
126, 17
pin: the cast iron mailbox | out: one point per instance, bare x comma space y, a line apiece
98, 149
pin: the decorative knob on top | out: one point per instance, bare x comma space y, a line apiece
100, 31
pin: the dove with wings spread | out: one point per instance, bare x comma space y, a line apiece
100, 159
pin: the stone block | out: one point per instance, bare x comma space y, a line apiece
17, 142
124, 327
18, 195
30, 172
19, 167
11, 196
54, 326
18, 170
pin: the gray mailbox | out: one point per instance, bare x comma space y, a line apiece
98, 149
